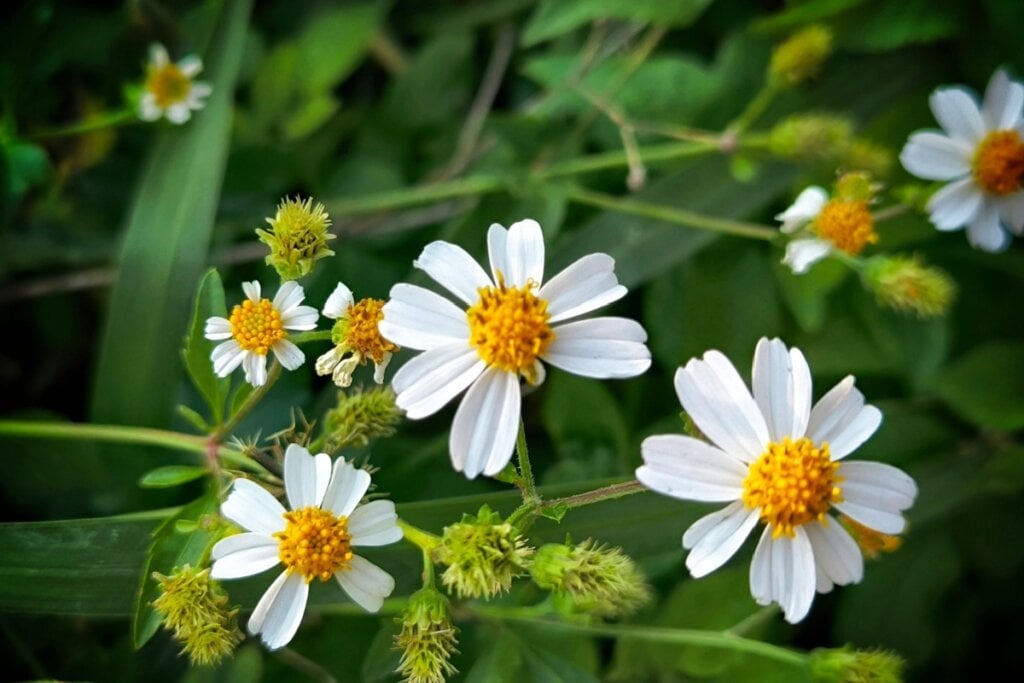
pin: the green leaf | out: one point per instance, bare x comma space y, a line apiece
209, 302
798, 14
501, 662
27, 165
554, 17
890, 25
171, 475
807, 295
333, 44
986, 386
382, 658
166, 246
169, 550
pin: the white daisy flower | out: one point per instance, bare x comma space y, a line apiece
504, 329
258, 326
169, 89
356, 337
981, 153
843, 224
315, 540
775, 459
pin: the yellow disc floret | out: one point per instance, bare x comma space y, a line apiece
508, 327
168, 84
361, 333
256, 326
999, 162
792, 483
847, 224
315, 543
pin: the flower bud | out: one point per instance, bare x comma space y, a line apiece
195, 609
905, 284
427, 639
846, 665
483, 555
297, 237
816, 138
360, 416
800, 57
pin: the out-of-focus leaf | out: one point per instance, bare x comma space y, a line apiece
986, 386
171, 475
553, 18
594, 416
333, 44
244, 666
26, 165
382, 658
501, 662
807, 295
435, 85
209, 302
884, 26
309, 116
798, 14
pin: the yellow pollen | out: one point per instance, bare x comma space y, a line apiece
508, 327
999, 162
872, 543
256, 326
846, 224
362, 335
792, 483
314, 543
168, 84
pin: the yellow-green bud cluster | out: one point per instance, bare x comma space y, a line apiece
360, 416
599, 579
297, 237
907, 285
483, 555
195, 610
814, 138
846, 665
427, 639
800, 57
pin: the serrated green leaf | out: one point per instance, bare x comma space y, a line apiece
171, 475
554, 17
986, 386
209, 302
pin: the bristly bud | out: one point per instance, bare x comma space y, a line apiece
483, 555
360, 416
427, 639
846, 665
800, 57
599, 579
195, 609
815, 138
297, 237
905, 284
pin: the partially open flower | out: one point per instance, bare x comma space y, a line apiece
356, 337
169, 89
297, 238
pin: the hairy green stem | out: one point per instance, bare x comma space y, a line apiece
527, 484
313, 335
90, 124
647, 154
612, 492
250, 402
424, 540
425, 194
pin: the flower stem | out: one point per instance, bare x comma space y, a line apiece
526, 482
756, 107
618, 159
612, 492
426, 194
314, 335
89, 124
250, 402
424, 540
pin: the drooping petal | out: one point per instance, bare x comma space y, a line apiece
600, 347
1003, 103
279, 612
807, 206
587, 284
782, 571
374, 524
803, 253
957, 112
841, 418
348, 486
934, 156
689, 469
244, 555
381, 367
955, 205
453, 268
782, 388
429, 381
985, 232
486, 423
227, 356
836, 554
714, 538
288, 354
217, 328
251, 507
366, 583
338, 302
417, 318
875, 494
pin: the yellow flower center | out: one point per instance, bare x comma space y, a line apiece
361, 333
792, 483
168, 84
508, 327
314, 543
999, 162
846, 224
256, 326
872, 543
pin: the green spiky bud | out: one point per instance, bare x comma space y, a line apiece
846, 665
195, 609
427, 639
483, 554
297, 237
906, 284
812, 138
599, 579
360, 416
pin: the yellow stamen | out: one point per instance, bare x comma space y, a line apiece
846, 224
361, 333
314, 543
508, 327
168, 84
999, 162
792, 483
256, 326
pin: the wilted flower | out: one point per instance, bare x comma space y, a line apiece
356, 337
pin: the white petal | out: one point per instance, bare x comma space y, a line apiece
808, 205
374, 524
381, 367
255, 366
326, 363
149, 110
338, 302
985, 232
366, 583
600, 347
199, 90
714, 396
841, 418
586, 285
217, 328
1004, 102
497, 243
1011, 210
782, 388
279, 612
348, 486
300, 477
430, 380
158, 54
227, 356
486, 423
252, 291
454, 269
178, 113
836, 554
288, 296
524, 254
190, 65
687, 468
874, 494
783, 571
804, 253
955, 205
251, 507
714, 538
934, 156
957, 112
288, 354
420, 319
244, 555
299, 318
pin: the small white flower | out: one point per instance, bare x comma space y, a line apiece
169, 89
258, 326
314, 540
775, 459
981, 153
843, 224
356, 337
504, 329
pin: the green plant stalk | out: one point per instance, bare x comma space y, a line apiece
612, 492
314, 335
250, 402
526, 482
648, 154
424, 540
90, 124
754, 109
426, 194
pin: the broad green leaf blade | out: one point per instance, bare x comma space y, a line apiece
209, 302
555, 17
986, 386
165, 247
172, 475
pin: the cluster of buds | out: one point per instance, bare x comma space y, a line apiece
195, 610
483, 554
427, 639
297, 238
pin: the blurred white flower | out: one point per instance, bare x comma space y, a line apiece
841, 223
169, 89
356, 337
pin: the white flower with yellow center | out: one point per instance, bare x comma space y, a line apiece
314, 540
356, 337
169, 89
776, 460
258, 326
843, 224
508, 325
981, 153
